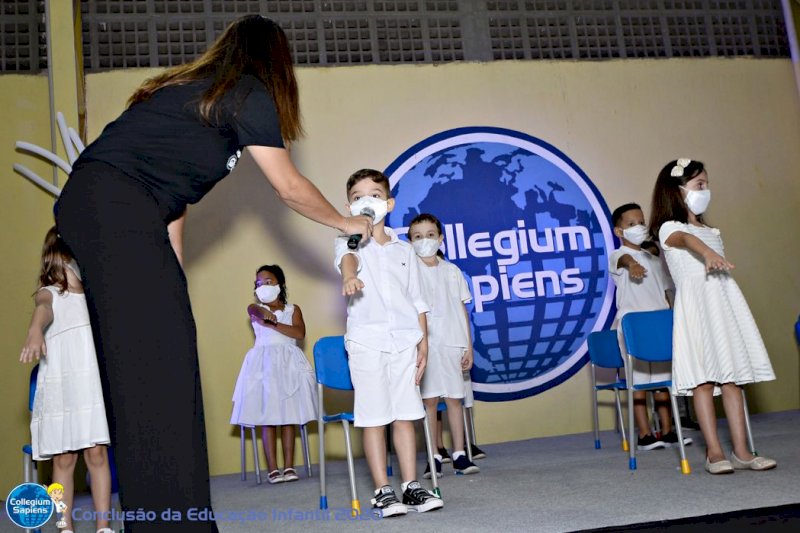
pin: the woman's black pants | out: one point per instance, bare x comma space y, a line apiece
146, 348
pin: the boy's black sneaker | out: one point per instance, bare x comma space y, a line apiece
387, 503
445, 456
427, 474
464, 466
477, 453
419, 499
671, 439
649, 442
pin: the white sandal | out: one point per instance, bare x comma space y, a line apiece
275, 477
290, 474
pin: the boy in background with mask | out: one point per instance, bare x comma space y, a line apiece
386, 340
642, 285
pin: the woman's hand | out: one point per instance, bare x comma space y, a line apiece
359, 225
34, 347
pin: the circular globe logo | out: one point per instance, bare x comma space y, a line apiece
532, 235
28, 505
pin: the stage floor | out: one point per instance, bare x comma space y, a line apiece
549, 484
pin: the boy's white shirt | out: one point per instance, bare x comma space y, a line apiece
647, 294
384, 315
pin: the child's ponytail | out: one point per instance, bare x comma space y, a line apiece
55, 256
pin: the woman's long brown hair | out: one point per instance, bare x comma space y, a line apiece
55, 255
252, 45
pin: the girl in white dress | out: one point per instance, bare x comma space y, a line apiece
276, 388
68, 410
449, 340
717, 347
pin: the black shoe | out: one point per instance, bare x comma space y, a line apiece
419, 499
671, 439
688, 423
438, 463
464, 466
445, 455
387, 503
477, 453
649, 442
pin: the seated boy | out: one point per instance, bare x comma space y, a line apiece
386, 342
642, 285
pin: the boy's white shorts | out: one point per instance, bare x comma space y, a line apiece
443, 376
384, 385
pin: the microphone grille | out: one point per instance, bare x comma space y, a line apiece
367, 211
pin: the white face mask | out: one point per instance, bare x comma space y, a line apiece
426, 247
697, 201
370, 206
636, 234
268, 293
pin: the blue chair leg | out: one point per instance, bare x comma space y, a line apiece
621, 422
685, 468
355, 505
306, 453
389, 450
631, 424
243, 457
323, 497
431, 461
255, 455
747, 424
595, 420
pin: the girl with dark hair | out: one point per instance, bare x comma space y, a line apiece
716, 345
276, 386
183, 131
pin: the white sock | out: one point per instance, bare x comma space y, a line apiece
457, 454
437, 457
404, 486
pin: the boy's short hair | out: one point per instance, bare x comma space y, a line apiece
367, 173
616, 216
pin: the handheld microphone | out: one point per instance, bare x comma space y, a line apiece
354, 239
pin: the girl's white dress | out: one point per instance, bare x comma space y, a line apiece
68, 410
276, 385
715, 338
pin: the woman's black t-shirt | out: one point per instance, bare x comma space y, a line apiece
165, 144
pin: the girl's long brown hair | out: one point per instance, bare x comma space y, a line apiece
55, 255
252, 45
668, 203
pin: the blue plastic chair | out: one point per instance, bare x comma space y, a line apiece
330, 363
256, 462
30, 474
604, 353
333, 372
648, 337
